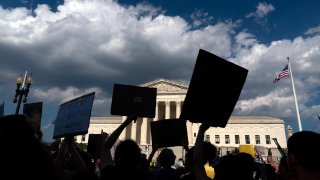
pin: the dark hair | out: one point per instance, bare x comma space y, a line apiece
235, 166
128, 151
166, 158
304, 146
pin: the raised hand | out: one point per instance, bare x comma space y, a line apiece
132, 117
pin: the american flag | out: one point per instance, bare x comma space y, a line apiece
283, 73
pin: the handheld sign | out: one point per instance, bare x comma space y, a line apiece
74, 116
169, 132
95, 144
128, 100
247, 148
33, 112
214, 90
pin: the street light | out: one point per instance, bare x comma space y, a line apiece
22, 89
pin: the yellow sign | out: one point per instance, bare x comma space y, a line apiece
247, 148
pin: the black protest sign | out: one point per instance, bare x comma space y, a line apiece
95, 144
214, 90
128, 100
33, 112
169, 132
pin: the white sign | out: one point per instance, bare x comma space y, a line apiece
74, 116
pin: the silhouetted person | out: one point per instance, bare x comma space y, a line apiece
74, 163
199, 156
283, 172
210, 153
235, 166
22, 155
166, 160
303, 155
127, 162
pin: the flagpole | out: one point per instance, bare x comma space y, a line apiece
295, 97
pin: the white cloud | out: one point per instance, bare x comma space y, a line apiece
56, 94
261, 12
260, 96
88, 45
313, 30
200, 17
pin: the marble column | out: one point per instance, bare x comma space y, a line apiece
189, 130
134, 130
143, 132
156, 117
123, 134
167, 116
178, 109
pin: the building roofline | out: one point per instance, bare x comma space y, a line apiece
232, 120
181, 85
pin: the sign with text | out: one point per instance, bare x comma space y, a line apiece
214, 90
169, 132
74, 116
33, 112
128, 100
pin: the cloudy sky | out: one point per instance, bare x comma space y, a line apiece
75, 47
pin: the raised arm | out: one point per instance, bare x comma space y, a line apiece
81, 166
116, 133
106, 158
198, 154
154, 150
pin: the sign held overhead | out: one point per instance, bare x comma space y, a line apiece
128, 100
214, 90
74, 116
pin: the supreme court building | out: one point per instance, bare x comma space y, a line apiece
255, 130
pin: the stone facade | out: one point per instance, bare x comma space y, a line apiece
256, 130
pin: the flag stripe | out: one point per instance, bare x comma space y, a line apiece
283, 73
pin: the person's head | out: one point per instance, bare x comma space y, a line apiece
303, 150
269, 159
235, 166
210, 153
127, 155
21, 152
166, 158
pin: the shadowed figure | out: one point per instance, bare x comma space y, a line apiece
283, 171
303, 155
127, 162
239, 166
22, 155
166, 160
210, 153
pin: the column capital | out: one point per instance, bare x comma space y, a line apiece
167, 103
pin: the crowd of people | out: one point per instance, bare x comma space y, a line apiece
23, 155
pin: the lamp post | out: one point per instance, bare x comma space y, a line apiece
22, 89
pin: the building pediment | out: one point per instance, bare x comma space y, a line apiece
166, 86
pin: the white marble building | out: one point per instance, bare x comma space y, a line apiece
256, 130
